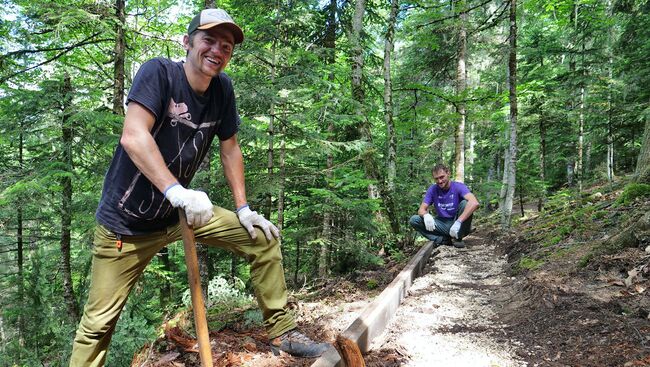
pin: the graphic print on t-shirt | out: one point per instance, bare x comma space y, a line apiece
447, 204
178, 112
183, 156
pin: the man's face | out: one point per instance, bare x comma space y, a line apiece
442, 179
209, 51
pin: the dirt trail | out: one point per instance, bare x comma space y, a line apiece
448, 319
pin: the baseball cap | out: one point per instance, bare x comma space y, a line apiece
209, 18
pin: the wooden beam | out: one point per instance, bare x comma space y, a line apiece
377, 315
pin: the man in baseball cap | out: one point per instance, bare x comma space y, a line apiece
175, 110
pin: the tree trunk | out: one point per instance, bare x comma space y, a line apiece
506, 211
281, 181
295, 271
118, 70
330, 45
66, 199
165, 288
643, 162
461, 85
610, 136
388, 112
271, 132
203, 259
358, 94
542, 158
506, 162
412, 136
234, 259
521, 200
581, 107
471, 149
610, 71
20, 239
490, 177
581, 138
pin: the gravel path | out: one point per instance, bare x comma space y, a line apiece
447, 319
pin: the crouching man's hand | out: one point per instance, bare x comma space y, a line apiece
250, 219
429, 222
197, 205
455, 228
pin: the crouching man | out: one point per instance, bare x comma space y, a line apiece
454, 205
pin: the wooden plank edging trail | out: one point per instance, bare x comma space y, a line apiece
376, 315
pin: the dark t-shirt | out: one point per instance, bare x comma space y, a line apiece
185, 126
446, 202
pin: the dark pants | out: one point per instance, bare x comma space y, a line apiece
441, 233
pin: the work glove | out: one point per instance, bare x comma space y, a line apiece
197, 205
250, 219
429, 223
455, 228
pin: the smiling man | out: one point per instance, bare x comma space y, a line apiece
454, 205
175, 109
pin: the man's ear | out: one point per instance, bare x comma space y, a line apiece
186, 42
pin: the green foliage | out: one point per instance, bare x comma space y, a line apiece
223, 295
372, 284
398, 256
225, 302
286, 73
552, 241
633, 191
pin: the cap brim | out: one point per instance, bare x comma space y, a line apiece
237, 33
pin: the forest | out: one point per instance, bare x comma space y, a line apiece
346, 105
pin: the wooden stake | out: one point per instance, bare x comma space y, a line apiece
194, 279
350, 352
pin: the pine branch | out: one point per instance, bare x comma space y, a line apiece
87, 41
502, 10
439, 20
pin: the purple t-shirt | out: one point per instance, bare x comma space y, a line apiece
446, 202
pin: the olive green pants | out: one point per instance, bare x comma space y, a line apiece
114, 273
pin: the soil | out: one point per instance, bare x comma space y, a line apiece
473, 307
449, 318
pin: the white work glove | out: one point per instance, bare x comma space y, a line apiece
429, 223
197, 205
453, 231
249, 219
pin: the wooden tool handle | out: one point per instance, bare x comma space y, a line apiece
350, 352
200, 321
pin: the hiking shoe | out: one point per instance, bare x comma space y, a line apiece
297, 344
446, 241
459, 244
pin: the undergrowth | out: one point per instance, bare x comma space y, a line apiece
573, 224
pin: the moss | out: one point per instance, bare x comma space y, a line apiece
553, 241
598, 215
561, 253
585, 260
372, 284
633, 191
565, 230
530, 264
